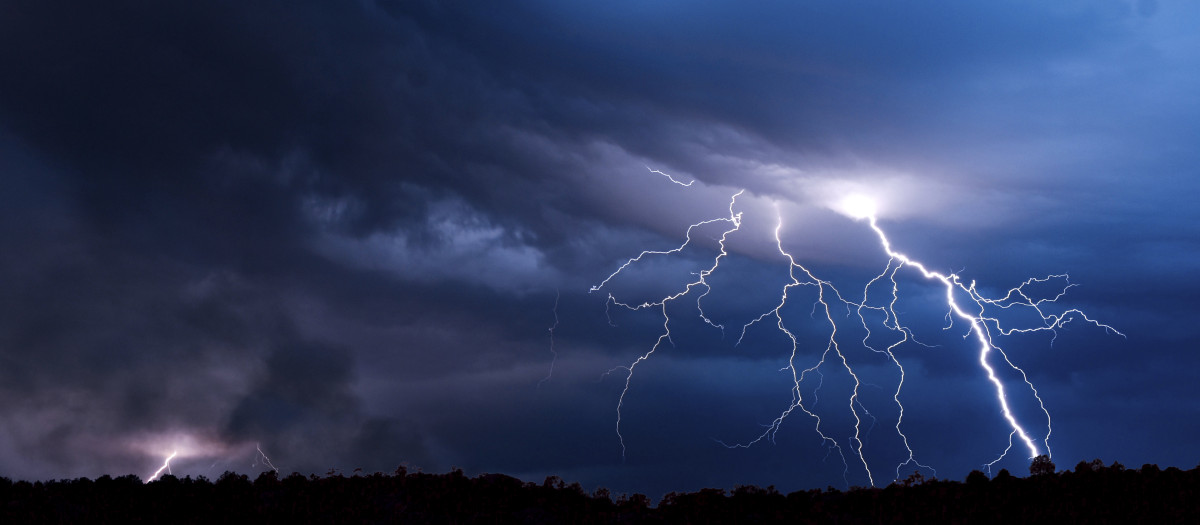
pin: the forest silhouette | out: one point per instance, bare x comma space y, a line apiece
1092, 493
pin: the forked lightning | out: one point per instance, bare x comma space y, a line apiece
963, 302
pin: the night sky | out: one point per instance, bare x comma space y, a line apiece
364, 234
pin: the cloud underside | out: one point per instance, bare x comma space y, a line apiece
338, 232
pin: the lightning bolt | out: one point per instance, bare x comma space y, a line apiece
185, 445
266, 460
668, 176
799, 376
981, 326
734, 221
963, 301
166, 466
553, 352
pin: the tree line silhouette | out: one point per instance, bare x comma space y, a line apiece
1092, 492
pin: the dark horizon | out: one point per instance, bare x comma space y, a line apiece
1092, 492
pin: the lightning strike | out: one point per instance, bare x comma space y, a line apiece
166, 466
553, 352
981, 325
963, 301
194, 447
266, 460
734, 221
672, 179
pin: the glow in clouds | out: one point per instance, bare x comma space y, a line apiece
857, 207
179, 446
963, 302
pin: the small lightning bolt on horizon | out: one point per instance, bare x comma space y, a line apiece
266, 460
553, 352
192, 446
974, 311
165, 466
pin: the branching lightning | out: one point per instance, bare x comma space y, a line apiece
981, 326
734, 221
964, 302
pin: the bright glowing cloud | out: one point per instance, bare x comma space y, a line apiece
857, 206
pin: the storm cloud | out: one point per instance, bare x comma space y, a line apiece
339, 231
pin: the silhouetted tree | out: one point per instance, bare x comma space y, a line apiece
976, 478
602, 493
1041, 466
1085, 467
913, 479
1004, 476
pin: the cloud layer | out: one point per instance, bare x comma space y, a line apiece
339, 232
